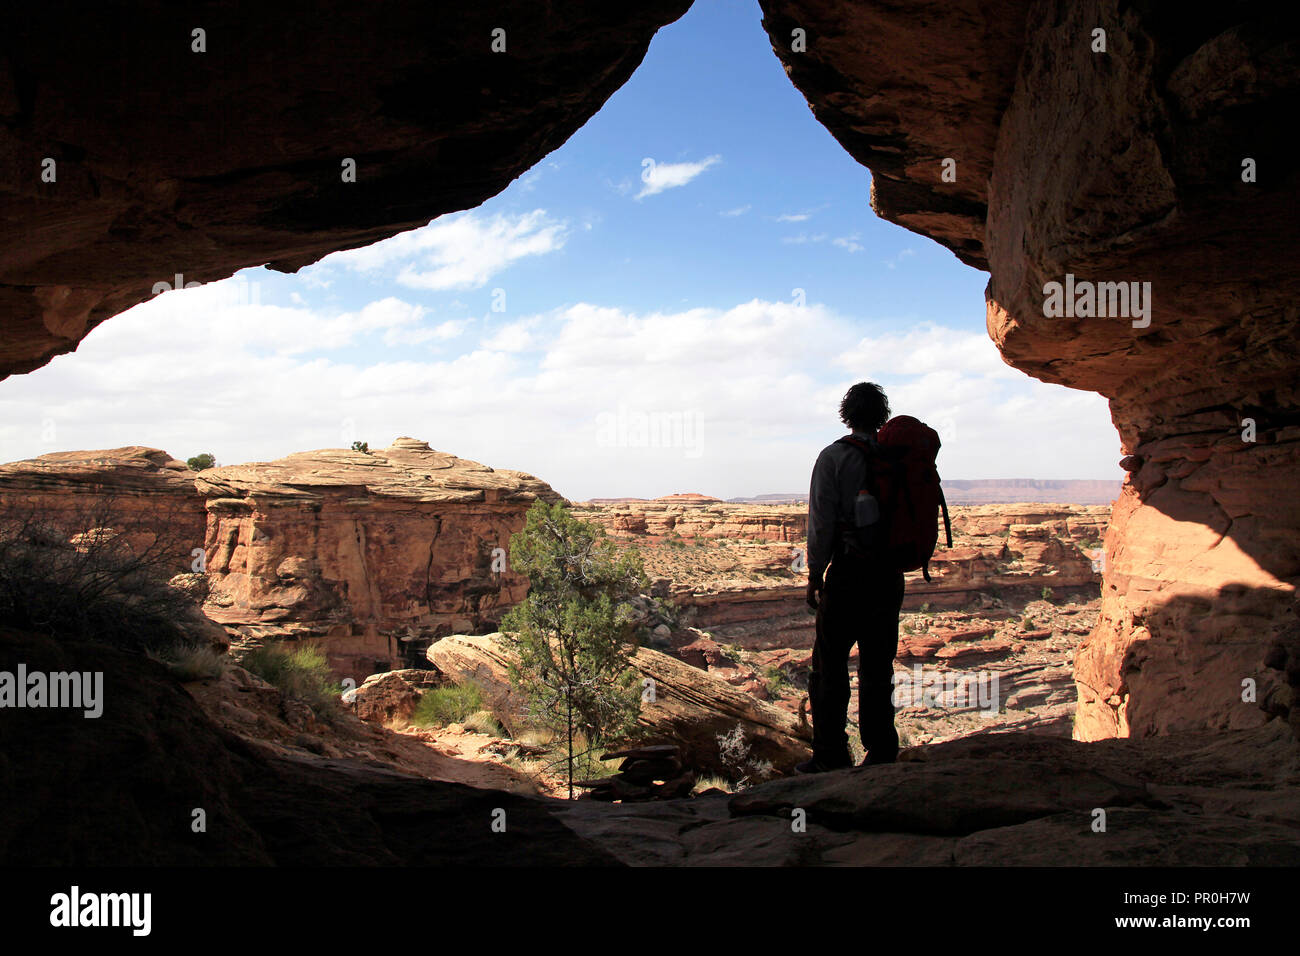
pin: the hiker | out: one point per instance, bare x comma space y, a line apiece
872, 514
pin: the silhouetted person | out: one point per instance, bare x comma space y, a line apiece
857, 602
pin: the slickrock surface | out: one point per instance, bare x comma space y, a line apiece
376, 553
294, 789
1004, 799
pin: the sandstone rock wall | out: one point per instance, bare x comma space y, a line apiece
140, 492
377, 553
374, 555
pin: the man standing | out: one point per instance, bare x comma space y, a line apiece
858, 601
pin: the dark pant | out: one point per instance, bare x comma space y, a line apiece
860, 603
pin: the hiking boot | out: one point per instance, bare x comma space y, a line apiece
817, 765
879, 761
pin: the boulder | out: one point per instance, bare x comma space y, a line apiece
384, 698
689, 707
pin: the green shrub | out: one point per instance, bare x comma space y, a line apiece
193, 661
777, 681
97, 572
202, 461
453, 704
482, 722
300, 672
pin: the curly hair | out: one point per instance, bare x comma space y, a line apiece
865, 407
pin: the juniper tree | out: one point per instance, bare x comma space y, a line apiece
574, 634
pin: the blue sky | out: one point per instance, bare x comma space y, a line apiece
614, 326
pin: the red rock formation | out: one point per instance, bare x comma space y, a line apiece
141, 492
377, 553
706, 518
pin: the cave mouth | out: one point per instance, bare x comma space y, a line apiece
194, 188
173, 170
674, 299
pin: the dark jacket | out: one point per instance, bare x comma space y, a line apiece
836, 479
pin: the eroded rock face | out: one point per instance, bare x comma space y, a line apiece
1122, 166
173, 161
706, 518
734, 569
141, 492
376, 553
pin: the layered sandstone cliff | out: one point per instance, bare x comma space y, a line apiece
141, 492
737, 570
373, 554
378, 553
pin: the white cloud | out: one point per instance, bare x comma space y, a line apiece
461, 251
849, 242
656, 177
756, 384
794, 217
738, 211
442, 332
902, 254
515, 337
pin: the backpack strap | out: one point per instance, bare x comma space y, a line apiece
868, 449
947, 522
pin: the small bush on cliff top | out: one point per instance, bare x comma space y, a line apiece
300, 672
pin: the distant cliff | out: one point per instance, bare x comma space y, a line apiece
984, 491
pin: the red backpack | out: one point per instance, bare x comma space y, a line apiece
902, 477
